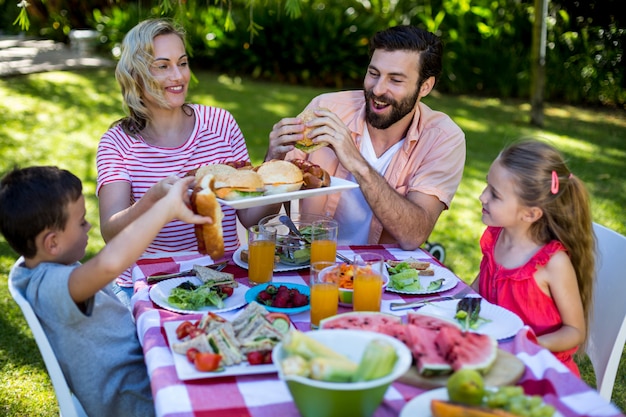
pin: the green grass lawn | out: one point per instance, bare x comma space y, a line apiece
57, 118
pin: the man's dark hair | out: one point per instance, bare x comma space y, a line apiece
33, 199
411, 38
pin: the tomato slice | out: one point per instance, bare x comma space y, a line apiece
183, 329
273, 316
207, 362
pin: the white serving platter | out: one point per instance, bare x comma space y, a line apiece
336, 185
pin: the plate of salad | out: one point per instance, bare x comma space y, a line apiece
187, 295
404, 279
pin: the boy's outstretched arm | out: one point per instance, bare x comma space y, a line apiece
128, 245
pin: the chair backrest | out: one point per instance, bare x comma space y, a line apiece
607, 330
69, 405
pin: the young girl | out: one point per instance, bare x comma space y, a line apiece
538, 248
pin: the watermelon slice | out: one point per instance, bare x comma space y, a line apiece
360, 320
467, 350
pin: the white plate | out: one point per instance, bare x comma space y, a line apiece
503, 324
187, 371
160, 292
420, 405
450, 281
336, 185
279, 267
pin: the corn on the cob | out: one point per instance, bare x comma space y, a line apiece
298, 343
332, 370
295, 365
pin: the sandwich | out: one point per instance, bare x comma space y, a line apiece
204, 202
306, 144
412, 263
214, 278
280, 176
241, 183
224, 342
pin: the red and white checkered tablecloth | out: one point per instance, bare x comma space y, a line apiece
267, 396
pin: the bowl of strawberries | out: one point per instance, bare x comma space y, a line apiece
281, 297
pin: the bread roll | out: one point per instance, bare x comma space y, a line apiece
280, 176
204, 202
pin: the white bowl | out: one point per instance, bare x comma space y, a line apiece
339, 399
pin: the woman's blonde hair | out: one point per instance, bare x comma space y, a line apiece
133, 71
542, 179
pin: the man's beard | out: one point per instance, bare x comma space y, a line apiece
398, 110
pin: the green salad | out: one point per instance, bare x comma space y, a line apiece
188, 296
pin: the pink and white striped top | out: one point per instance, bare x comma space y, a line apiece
216, 138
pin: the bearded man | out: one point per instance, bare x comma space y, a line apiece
407, 158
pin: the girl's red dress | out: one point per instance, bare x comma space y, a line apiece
516, 290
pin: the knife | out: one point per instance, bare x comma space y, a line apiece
417, 304
189, 272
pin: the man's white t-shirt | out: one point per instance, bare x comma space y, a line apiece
353, 212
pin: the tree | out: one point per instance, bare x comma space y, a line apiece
538, 66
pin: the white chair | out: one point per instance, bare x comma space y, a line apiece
69, 406
607, 330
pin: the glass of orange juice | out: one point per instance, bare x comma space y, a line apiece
261, 248
368, 281
324, 292
324, 240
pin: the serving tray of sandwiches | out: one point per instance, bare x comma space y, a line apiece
246, 332
336, 185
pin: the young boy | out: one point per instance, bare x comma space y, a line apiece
42, 217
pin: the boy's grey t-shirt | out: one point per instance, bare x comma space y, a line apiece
98, 350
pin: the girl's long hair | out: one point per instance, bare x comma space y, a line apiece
539, 169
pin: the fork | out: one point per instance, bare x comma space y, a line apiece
421, 303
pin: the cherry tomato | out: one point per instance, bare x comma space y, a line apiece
207, 362
227, 291
255, 358
268, 357
191, 354
183, 329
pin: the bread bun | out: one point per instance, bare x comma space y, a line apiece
241, 183
280, 176
313, 175
306, 144
204, 202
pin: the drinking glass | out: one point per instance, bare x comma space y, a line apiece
324, 240
368, 281
324, 292
261, 248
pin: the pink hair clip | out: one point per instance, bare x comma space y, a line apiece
555, 183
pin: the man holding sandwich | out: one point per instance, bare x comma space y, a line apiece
407, 158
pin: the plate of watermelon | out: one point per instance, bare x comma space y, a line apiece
497, 322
